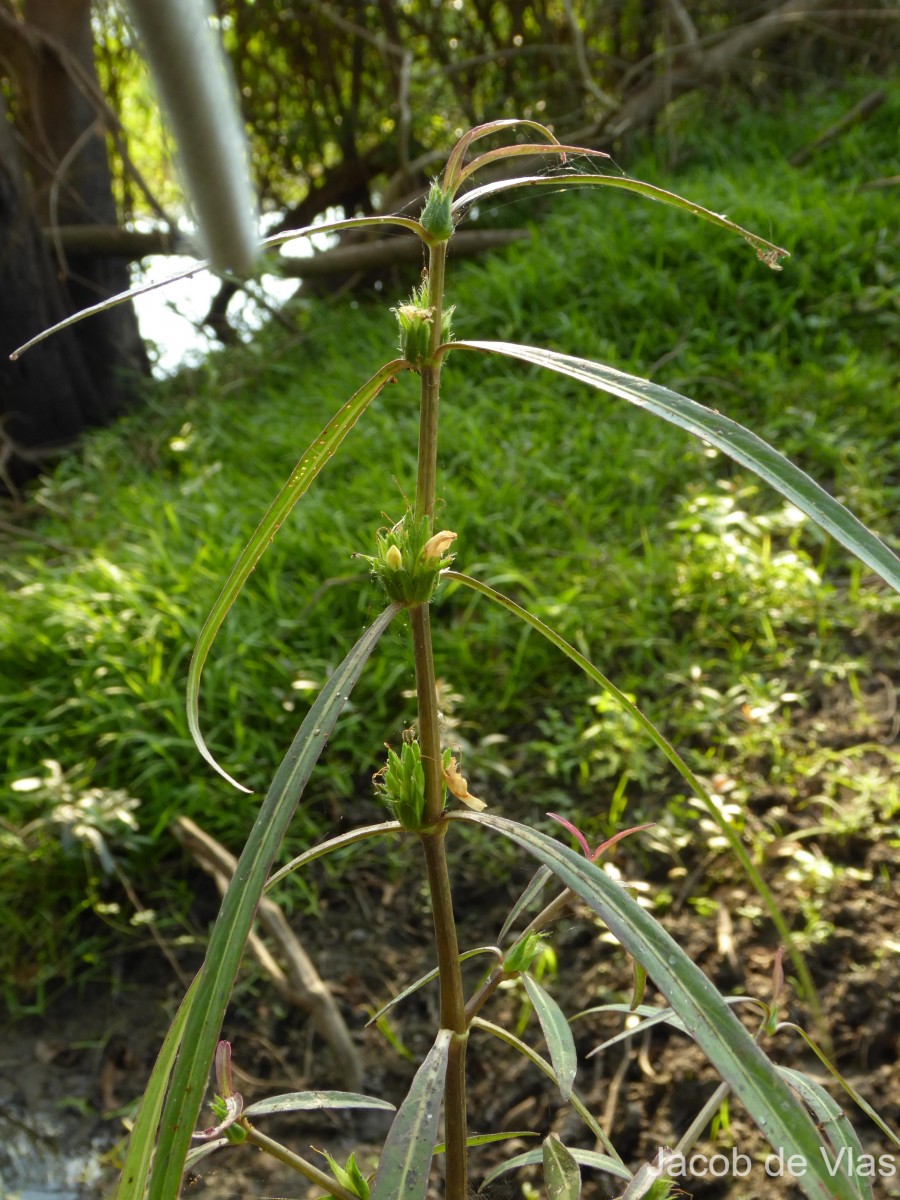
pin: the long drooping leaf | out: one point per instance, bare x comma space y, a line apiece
235, 918
277, 239
409, 1148
726, 435
735, 843
706, 1016
136, 1169
302, 476
767, 251
557, 1035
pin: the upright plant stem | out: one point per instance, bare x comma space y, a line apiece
453, 1014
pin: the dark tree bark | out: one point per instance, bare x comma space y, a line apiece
87, 375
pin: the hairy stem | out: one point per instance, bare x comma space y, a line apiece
453, 1014
426, 484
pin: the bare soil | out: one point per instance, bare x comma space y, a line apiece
68, 1080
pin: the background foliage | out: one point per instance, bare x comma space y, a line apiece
738, 628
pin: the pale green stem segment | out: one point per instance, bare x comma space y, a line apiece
453, 1012
311, 1172
707, 1017
807, 986
306, 470
229, 935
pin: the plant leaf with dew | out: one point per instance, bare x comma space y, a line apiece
313, 1101
562, 1177
726, 435
557, 1034
229, 935
408, 1151
832, 1121
707, 1018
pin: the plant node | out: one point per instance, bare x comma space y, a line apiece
410, 558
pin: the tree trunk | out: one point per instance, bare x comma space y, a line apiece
87, 375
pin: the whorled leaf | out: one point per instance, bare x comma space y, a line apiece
557, 1034
726, 435
226, 944
405, 1161
704, 1012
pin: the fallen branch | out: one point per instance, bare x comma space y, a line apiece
857, 113
297, 981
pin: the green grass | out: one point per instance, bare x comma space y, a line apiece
688, 583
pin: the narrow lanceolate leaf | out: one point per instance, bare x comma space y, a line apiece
537, 884
562, 1176
301, 478
310, 1101
277, 239
406, 1158
434, 973
557, 1035
707, 1018
726, 435
845, 1146
136, 1170
766, 251
336, 843
584, 1158
226, 945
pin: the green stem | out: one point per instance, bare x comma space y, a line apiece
426, 484
321, 1178
453, 1010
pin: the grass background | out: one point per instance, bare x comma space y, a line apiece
736, 625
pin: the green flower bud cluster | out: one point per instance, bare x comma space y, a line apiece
410, 558
437, 215
401, 785
416, 319
349, 1177
523, 953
